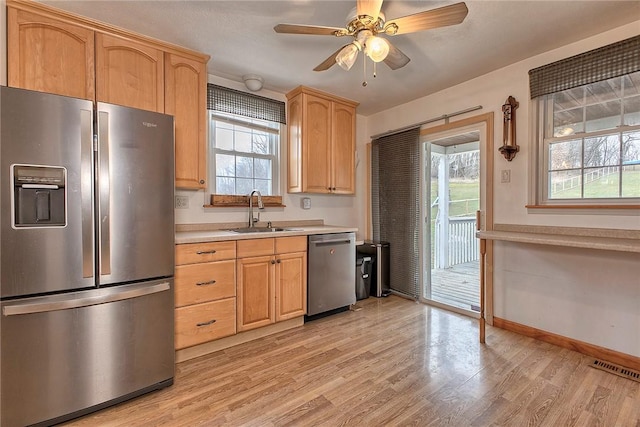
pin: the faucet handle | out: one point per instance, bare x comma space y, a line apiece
269, 224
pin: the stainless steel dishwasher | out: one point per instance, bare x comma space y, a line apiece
332, 275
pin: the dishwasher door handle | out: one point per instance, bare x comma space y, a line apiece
331, 242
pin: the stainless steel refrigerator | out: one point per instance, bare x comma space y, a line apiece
87, 255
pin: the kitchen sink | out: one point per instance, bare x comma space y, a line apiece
257, 230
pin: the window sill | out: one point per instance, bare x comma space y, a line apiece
603, 207
238, 201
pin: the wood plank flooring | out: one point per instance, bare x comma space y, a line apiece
394, 362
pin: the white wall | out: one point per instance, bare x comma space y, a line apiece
333, 209
588, 295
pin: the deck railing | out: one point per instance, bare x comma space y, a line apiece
462, 245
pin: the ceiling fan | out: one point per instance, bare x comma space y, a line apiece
367, 26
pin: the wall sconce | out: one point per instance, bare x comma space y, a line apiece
509, 147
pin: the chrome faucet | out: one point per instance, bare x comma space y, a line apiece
252, 220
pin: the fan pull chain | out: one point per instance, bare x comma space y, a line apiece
374, 70
364, 74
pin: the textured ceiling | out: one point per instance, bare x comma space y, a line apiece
239, 37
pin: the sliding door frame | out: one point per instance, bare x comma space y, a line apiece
482, 122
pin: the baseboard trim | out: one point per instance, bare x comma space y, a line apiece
242, 337
623, 359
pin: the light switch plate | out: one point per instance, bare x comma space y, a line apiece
306, 203
505, 175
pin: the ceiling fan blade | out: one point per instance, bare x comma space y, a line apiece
435, 18
307, 29
369, 8
396, 59
328, 63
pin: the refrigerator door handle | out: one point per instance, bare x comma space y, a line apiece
71, 301
86, 192
104, 186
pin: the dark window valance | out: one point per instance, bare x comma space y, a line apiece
233, 101
604, 63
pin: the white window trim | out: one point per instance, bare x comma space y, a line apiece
275, 157
538, 182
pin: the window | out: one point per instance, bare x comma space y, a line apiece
587, 108
591, 145
245, 154
244, 145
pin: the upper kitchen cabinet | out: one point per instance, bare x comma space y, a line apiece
54, 51
49, 55
185, 99
129, 73
321, 142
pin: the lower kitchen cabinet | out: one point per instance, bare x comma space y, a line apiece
205, 292
199, 323
255, 292
273, 286
291, 285
233, 286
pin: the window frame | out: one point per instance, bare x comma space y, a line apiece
542, 121
239, 120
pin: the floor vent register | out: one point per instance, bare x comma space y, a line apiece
616, 370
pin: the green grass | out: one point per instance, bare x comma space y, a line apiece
459, 191
606, 186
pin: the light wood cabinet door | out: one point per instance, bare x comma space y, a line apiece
343, 148
186, 99
294, 126
291, 285
48, 55
129, 73
255, 292
316, 174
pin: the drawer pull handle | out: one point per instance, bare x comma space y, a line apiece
213, 251
210, 322
210, 282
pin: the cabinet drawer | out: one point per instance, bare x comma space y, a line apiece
203, 282
255, 247
291, 244
197, 324
191, 253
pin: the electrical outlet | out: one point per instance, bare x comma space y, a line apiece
505, 175
182, 202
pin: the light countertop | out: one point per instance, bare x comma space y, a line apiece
224, 235
604, 239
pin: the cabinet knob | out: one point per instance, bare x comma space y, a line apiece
278, 261
273, 262
202, 181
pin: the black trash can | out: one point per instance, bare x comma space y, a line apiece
363, 276
380, 271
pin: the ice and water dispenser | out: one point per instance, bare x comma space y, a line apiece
39, 198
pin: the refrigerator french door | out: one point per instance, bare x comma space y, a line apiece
87, 244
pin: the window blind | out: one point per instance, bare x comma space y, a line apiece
604, 63
395, 204
233, 101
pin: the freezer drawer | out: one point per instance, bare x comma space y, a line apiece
65, 353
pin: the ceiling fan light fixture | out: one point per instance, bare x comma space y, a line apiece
347, 56
376, 48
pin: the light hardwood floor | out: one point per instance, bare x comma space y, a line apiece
394, 362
